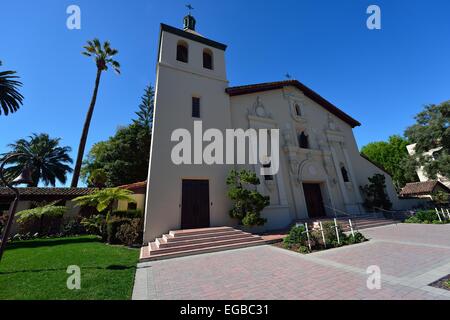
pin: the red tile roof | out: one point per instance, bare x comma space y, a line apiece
422, 188
46, 193
247, 89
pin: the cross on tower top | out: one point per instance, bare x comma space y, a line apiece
189, 20
190, 8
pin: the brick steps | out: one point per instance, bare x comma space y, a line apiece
170, 243
196, 241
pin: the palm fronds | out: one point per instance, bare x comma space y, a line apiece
44, 156
10, 97
102, 54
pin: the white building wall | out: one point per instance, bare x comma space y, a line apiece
176, 84
332, 145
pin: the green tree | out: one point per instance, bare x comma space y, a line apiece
145, 113
375, 193
48, 161
38, 214
393, 156
124, 158
248, 202
98, 178
432, 131
10, 97
441, 198
104, 199
103, 56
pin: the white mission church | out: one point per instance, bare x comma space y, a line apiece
321, 168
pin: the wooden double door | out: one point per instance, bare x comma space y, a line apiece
314, 200
195, 204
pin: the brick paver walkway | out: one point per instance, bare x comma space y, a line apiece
409, 256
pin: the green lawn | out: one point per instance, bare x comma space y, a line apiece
37, 269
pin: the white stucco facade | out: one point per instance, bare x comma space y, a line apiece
284, 106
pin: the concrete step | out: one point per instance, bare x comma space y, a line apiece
195, 241
183, 237
145, 252
190, 232
154, 249
174, 242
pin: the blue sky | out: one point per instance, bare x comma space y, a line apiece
380, 77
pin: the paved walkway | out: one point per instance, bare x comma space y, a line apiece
409, 256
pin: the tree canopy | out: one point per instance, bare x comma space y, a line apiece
47, 160
432, 131
122, 159
392, 156
145, 113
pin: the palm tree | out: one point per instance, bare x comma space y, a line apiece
103, 56
10, 98
43, 155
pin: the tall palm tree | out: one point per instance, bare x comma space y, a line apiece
43, 155
103, 56
10, 97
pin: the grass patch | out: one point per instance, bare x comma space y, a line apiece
36, 269
443, 283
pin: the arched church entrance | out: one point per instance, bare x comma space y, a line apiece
313, 178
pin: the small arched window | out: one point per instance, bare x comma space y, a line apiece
303, 141
207, 59
344, 174
298, 111
182, 51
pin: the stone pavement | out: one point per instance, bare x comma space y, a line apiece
409, 256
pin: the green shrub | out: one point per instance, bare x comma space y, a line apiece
247, 201
329, 230
131, 214
427, 216
44, 220
413, 219
131, 233
112, 227
95, 225
303, 250
297, 237
358, 238
73, 227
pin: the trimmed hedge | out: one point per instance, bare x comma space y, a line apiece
130, 214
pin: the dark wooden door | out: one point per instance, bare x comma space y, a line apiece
195, 204
314, 200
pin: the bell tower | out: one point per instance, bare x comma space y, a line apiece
190, 87
189, 23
